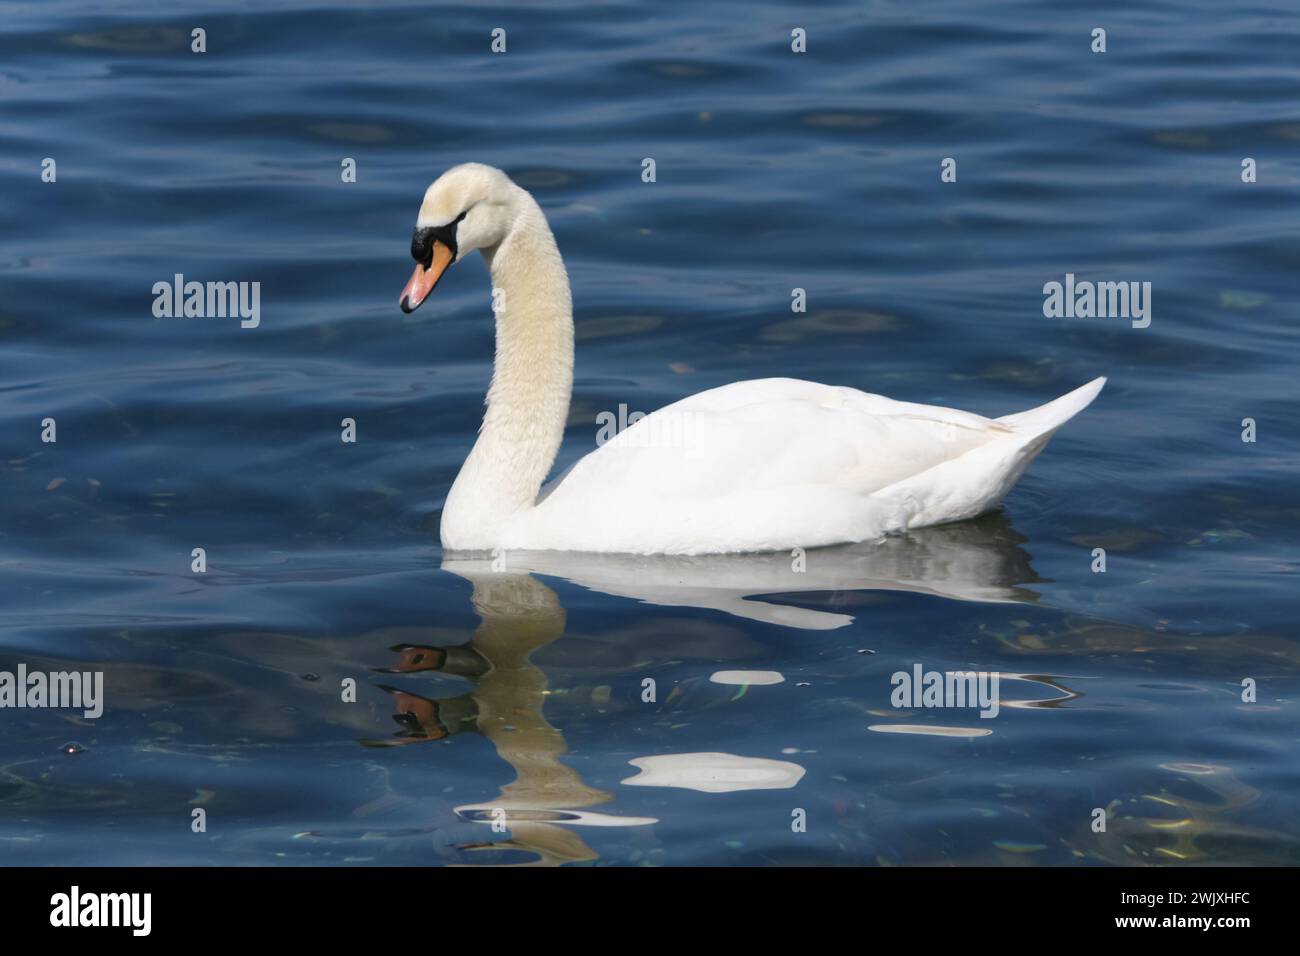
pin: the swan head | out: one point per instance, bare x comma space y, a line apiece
471, 206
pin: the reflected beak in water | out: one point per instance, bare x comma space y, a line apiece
424, 278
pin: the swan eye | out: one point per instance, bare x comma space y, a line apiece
422, 240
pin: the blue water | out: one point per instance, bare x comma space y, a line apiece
523, 690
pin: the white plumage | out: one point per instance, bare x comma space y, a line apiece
776, 464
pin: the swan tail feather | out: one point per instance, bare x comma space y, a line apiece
1047, 418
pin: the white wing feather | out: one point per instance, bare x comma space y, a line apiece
774, 464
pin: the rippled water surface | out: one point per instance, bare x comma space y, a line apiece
523, 691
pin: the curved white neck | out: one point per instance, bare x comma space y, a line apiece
528, 401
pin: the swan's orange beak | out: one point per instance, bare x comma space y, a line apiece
423, 280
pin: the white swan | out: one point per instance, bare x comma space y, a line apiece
764, 465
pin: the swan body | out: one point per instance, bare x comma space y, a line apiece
765, 465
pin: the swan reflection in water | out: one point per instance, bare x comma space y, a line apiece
977, 560
546, 805
519, 615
